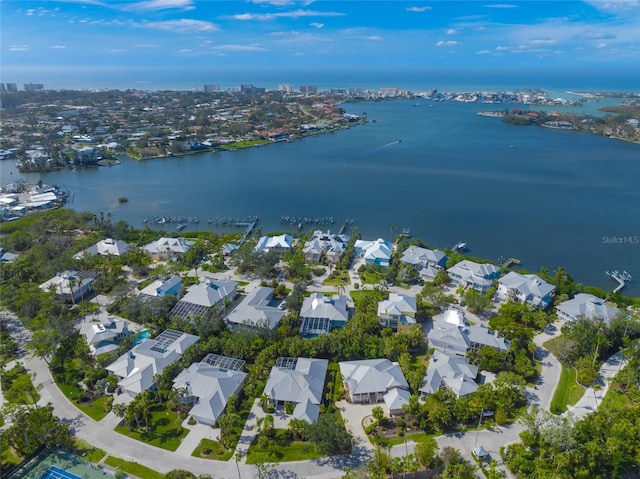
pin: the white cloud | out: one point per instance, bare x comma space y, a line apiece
602, 45
452, 31
19, 48
183, 25
57, 47
292, 14
447, 43
591, 35
503, 49
239, 48
500, 5
373, 38
418, 9
29, 12
284, 34
185, 50
616, 6
150, 5
543, 41
146, 45
317, 25
277, 3
483, 52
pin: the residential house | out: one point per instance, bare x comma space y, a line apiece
161, 288
469, 274
376, 252
257, 310
458, 339
279, 244
137, 368
105, 336
204, 298
208, 384
321, 314
70, 286
452, 372
426, 261
106, 247
165, 249
586, 306
325, 245
398, 312
300, 381
525, 288
373, 380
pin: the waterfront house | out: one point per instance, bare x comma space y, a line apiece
207, 386
165, 249
376, 252
426, 261
452, 372
205, 298
321, 314
161, 288
105, 336
525, 288
70, 286
257, 310
373, 380
137, 368
325, 245
279, 244
106, 247
586, 306
469, 274
300, 381
458, 339
398, 312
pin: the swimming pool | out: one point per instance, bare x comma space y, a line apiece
144, 334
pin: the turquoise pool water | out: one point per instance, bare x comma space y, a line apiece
144, 334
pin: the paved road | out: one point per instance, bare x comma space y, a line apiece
102, 435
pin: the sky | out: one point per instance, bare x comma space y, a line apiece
98, 42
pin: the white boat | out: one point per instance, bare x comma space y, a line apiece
460, 246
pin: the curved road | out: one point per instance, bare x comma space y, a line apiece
102, 435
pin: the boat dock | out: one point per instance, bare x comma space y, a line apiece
510, 262
621, 278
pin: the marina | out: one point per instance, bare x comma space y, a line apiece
621, 278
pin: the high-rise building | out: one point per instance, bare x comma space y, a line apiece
388, 91
308, 89
12, 87
211, 87
285, 88
249, 88
33, 87
2, 87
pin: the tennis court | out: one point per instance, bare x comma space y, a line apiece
56, 473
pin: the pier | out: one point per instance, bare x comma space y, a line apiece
621, 278
510, 262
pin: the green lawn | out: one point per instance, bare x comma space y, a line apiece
337, 278
568, 391
165, 429
210, 449
282, 449
133, 468
95, 410
371, 277
89, 452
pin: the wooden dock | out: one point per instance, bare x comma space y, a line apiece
510, 262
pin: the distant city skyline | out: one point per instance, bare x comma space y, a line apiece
151, 43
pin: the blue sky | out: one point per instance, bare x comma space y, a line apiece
84, 40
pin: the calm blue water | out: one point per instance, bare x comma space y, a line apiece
544, 196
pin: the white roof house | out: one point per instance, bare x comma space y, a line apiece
256, 310
201, 299
473, 275
330, 246
160, 288
450, 372
321, 314
457, 339
422, 257
373, 380
208, 387
137, 367
279, 244
586, 306
374, 252
525, 288
297, 380
105, 336
70, 286
106, 247
397, 312
167, 248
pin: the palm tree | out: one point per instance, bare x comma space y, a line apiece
120, 410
